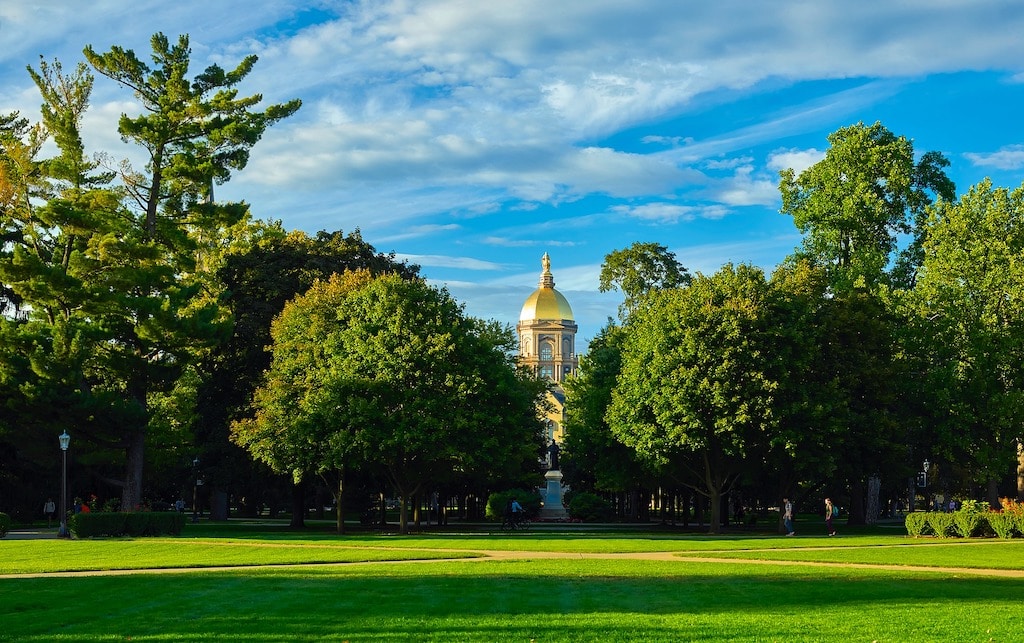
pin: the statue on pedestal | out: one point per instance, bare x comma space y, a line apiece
553, 456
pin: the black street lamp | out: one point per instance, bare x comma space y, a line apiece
195, 489
65, 440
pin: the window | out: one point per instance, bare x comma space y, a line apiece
546, 351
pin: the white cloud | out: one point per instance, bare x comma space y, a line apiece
744, 187
661, 212
462, 263
443, 125
728, 164
1010, 157
528, 243
797, 160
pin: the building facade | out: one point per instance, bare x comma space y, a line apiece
547, 343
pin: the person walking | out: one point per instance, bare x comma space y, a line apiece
831, 511
49, 509
787, 516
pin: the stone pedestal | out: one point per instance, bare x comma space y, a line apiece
553, 508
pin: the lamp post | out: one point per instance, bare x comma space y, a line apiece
65, 440
195, 489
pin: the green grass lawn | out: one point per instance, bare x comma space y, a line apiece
540, 599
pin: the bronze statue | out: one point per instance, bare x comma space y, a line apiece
553, 456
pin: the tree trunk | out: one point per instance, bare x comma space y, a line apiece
131, 496
318, 498
873, 509
403, 514
857, 494
993, 493
715, 500
298, 505
339, 505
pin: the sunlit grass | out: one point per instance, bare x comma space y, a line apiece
984, 554
543, 600
539, 599
41, 556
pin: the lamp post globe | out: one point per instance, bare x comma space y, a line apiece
65, 441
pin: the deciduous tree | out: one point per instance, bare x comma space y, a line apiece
387, 372
699, 378
970, 303
856, 204
638, 269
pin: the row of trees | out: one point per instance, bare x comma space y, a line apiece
136, 311
894, 334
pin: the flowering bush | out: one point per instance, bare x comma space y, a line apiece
1011, 506
1015, 511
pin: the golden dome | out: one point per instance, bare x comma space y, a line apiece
546, 302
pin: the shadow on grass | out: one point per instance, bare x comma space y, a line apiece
497, 601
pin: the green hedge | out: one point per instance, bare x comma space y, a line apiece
142, 523
1004, 525
967, 524
917, 524
590, 507
5, 524
941, 524
970, 523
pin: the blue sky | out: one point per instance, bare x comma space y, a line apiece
472, 137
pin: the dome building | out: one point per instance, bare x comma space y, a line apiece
547, 342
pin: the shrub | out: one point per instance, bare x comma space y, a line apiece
144, 523
1003, 524
941, 524
5, 524
966, 525
589, 507
969, 519
917, 524
530, 500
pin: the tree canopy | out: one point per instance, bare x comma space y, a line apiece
110, 275
698, 380
388, 372
856, 204
638, 269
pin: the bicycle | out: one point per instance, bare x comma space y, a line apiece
514, 522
